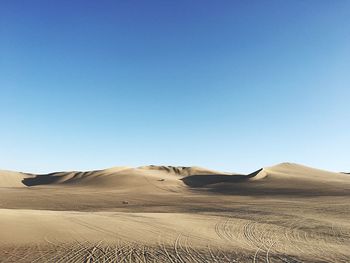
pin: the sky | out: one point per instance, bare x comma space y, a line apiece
228, 85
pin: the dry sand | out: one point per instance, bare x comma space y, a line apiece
283, 213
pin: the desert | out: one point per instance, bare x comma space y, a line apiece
174, 131
283, 213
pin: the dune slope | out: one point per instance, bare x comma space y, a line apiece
12, 179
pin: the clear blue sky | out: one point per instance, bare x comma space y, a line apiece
230, 85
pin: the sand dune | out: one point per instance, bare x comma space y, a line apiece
281, 179
116, 176
12, 179
283, 213
282, 176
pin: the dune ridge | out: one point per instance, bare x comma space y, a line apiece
278, 179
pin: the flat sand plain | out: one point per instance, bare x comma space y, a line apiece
284, 213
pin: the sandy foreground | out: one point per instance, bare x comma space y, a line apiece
283, 213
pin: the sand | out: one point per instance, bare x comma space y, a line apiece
283, 213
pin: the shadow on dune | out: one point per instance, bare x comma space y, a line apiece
43, 179
39, 180
237, 184
210, 179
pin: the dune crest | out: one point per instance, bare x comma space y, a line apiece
302, 172
283, 178
181, 170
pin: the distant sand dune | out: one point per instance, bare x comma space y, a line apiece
285, 178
